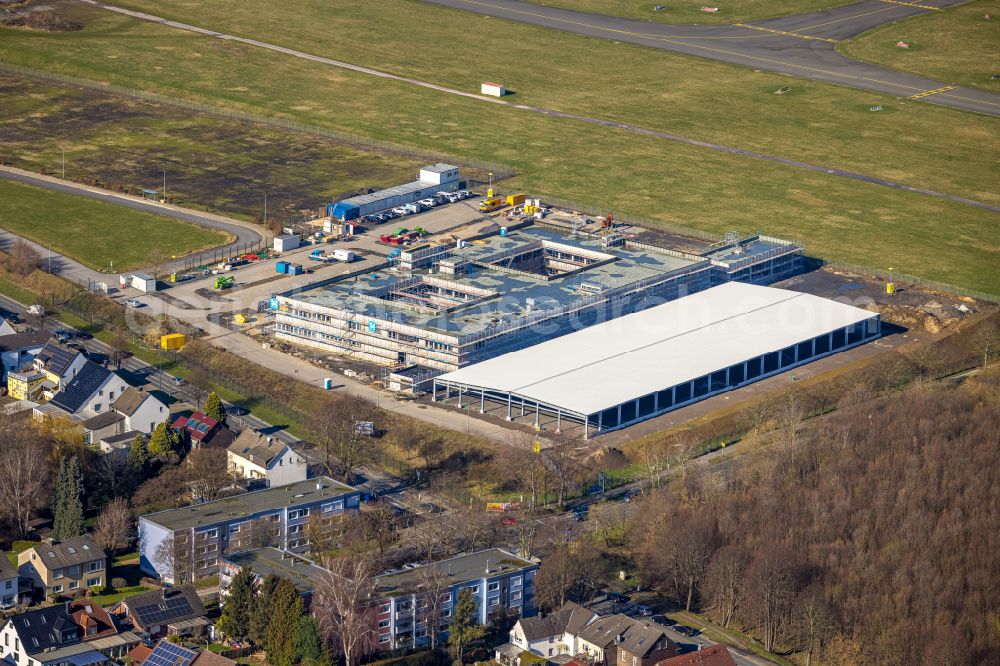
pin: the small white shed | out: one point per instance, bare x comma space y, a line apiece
285, 243
143, 282
493, 89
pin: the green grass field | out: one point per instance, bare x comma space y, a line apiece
912, 142
93, 232
212, 162
689, 11
959, 46
603, 167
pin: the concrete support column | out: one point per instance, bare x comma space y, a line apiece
482, 402
559, 421
509, 400
460, 397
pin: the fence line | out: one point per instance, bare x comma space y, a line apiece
500, 171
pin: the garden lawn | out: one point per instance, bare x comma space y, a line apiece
95, 233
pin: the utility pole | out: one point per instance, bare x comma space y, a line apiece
64, 163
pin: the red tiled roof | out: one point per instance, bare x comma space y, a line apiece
198, 425
717, 655
87, 614
139, 653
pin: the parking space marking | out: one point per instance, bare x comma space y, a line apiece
928, 93
787, 34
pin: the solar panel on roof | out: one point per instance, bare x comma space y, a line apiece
168, 654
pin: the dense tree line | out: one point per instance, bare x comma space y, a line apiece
869, 537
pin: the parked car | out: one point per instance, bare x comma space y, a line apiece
399, 211
62, 335
134, 303
644, 611
618, 598
428, 202
662, 619
465, 194
686, 631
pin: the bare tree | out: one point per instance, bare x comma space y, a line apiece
115, 528
199, 383
24, 258
432, 580
813, 621
264, 533
724, 581
157, 261
986, 341
564, 468
24, 476
526, 531
209, 474
339, 434
605, 518
756, 415
343, 606
173, 558
769, 593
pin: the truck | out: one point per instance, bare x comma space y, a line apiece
344, 255
491, 204
515, 199
224, 282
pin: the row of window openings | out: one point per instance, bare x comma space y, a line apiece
735, 375
75, 570
75, 585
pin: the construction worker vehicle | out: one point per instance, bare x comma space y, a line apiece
491, 204
224, 282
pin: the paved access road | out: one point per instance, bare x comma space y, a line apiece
244, 234
801, 45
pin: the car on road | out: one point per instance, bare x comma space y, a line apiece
62, 335
644, 611
618, 598
178, 381
662, 619
686, 631
134, 303
237, 410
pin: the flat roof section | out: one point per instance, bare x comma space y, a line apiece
461, 569
238, 506
304, 574
514, 289
632, 356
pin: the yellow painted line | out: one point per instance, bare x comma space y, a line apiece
848, 18
928, 93
913, 4
788, 34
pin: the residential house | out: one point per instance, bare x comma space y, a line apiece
60, 635
67, 567
90, 392
165, 612
165, 652
18, 350
8, 584
406, 610
59, 364
716, 655
304, 574
102, 425
609, 639
573, 631
547, 635
120, 444
202, 430
142, 410
265, 461
186, 543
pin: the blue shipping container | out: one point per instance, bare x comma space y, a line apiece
281, 267
295, 269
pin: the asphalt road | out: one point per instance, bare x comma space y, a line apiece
244, 234
801, 45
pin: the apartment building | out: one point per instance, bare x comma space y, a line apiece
67, 567
420, 599
181, 545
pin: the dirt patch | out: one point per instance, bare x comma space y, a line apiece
36, 16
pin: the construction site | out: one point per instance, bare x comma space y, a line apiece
513, 282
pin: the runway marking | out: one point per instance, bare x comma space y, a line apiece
788, 34
913, 4
849, 18
928, 93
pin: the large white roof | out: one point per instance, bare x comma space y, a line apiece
626, 358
